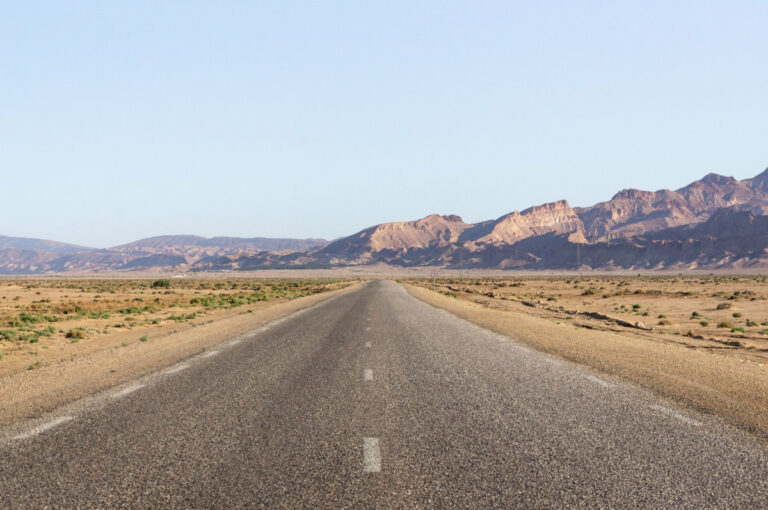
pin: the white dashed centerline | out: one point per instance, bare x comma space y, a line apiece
127, 390
42, 428
367, 374
676, 415
371, 455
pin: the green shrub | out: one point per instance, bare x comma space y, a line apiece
161, 284
725, 324
704, 323
736, 314
740, 330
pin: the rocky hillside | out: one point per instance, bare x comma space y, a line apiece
717, 222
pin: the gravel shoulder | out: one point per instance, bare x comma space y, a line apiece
124, 357
730, 388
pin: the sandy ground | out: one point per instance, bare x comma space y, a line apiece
87, 367
731, 387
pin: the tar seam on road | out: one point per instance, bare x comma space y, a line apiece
676, 415
367, 374
42, 428
371, 455
125, 391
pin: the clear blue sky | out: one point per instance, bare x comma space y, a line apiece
121, 120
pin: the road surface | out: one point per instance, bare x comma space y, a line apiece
373, 399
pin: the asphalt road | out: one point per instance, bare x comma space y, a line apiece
374, 399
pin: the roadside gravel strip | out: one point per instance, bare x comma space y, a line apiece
31, 393
730, 388
452, 416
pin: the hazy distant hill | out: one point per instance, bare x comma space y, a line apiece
175, 244
717, 222
23, 243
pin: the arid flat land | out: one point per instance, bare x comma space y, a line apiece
65, 338
701, 340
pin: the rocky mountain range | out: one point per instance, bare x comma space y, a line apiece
717, 222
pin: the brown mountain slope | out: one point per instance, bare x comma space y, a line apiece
556, 217
432, 232
633, 212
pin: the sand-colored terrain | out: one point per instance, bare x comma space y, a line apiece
64, 339
641, 329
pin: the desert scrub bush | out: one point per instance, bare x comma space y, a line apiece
736, 314
143, 338
76, 333
724, 306
740, 330
103, 314
662, 316
665, 322
161, 284
695, 314
725, 324
183, 317
30, 318
752, 324
7, 334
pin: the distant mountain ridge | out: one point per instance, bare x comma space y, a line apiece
717, 222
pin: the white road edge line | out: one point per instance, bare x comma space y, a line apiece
209, 354
367, 374
42, 428
368, 344
599, 381
676, 415
127, 390
177, 368
371, 455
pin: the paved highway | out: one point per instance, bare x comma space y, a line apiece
373, 399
